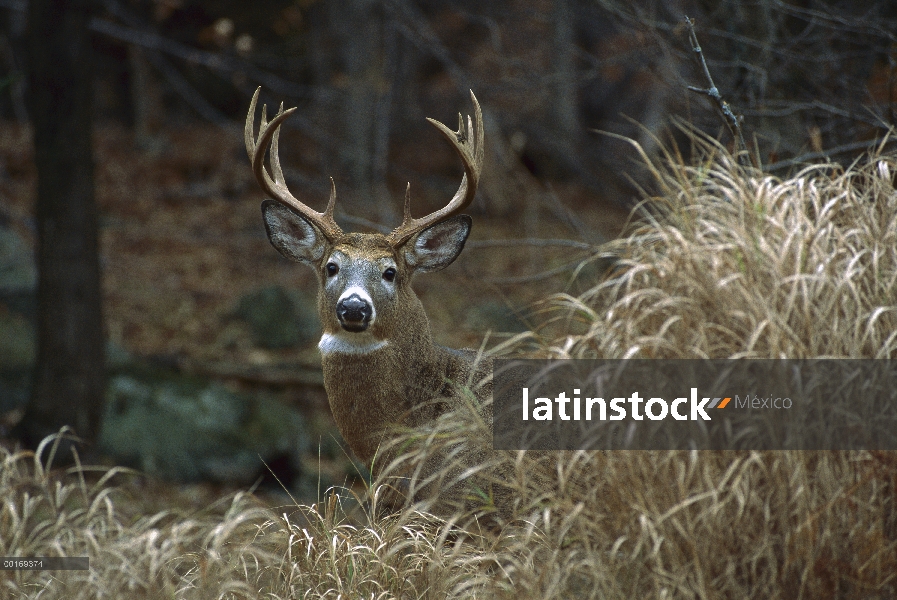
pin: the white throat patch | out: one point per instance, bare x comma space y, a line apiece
349, 343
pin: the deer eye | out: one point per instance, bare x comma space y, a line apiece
389, 274
332, 269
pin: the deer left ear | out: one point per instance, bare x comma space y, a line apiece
437, 246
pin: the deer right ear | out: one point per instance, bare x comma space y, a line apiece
437, 246
291, 234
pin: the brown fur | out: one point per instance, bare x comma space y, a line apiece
381, 367
370, 394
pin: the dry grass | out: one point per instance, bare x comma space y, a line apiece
163, 555
732, 264
236, 549
739, 264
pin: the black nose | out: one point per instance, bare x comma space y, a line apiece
354, 313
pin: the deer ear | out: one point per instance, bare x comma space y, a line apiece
291, 234
439, 245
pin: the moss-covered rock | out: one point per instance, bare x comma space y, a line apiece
187, 429
277, 319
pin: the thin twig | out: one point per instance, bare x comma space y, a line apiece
538, 243
414, 26
732, 121
283, 374
839, 23
535, 277
216, 62
177, 81
564, 214
812, 156
786, 108
190, 95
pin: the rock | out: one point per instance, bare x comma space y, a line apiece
117, 358
15, 388
18, 344
18, 311
277, 319
18, 350
186, 429
18, 274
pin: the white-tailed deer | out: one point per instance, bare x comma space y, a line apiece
379, 359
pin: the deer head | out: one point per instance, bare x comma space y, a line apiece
365, 300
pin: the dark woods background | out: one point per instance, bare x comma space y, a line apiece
806, 75
195, 304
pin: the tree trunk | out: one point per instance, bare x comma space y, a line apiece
564, 104
69, 378
351, 48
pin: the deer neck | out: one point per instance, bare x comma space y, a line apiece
373, 383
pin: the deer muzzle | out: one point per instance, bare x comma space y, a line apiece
354, 313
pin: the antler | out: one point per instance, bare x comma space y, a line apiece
468, 143
277, 188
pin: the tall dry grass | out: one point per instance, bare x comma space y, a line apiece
734, 263
731, 263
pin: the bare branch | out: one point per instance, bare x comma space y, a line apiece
534, 277
414, 26
286, 373
569, 217
812, 156
216, 62
775, 108
532, 242
839, 22
732, 121
190, 95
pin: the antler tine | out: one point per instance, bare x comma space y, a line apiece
406, 213
274, 155
269, 134
468, 143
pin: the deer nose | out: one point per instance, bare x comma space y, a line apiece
354, 313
